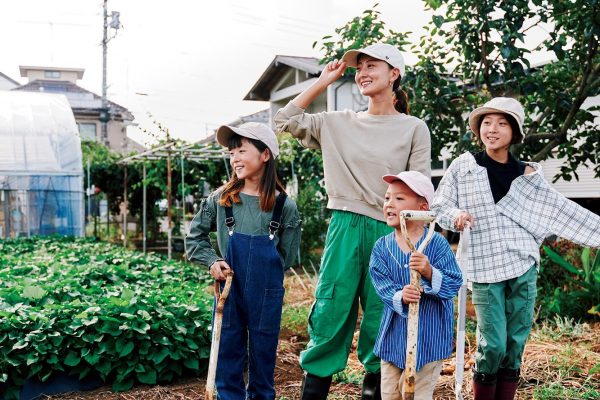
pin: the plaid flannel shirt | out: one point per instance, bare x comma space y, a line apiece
507, 235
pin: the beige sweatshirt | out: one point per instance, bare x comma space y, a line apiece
358, 149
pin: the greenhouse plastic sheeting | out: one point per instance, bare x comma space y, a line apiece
41, 189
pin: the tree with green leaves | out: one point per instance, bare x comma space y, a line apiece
477, 49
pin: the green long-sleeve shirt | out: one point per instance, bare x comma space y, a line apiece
249, 219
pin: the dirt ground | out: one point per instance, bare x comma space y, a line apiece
539, 366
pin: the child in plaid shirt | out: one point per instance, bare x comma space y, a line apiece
511, 209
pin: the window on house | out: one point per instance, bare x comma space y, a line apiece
87, 130
52, 74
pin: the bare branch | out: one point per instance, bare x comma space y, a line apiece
588, 73
536, 23
538, 121
541, 155
539, 136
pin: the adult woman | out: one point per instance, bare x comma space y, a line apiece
358, 148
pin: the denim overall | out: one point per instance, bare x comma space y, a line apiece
252, 313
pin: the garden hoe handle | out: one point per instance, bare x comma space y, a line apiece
413, 308
220, 298
462, 255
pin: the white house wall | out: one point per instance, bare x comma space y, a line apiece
588, 186
344, 95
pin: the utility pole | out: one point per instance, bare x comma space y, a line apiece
104, 115
105, 110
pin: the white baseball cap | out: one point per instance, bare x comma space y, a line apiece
381, 51
419, 183
252, 130
498, 105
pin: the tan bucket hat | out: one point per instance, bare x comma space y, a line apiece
252, 130
498, 105
381, 51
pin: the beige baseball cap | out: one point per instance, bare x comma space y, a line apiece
498, 105
419, 183
381, 51
252, 130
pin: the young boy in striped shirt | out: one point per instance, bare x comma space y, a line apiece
391, 262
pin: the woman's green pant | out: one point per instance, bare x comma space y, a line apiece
344, 283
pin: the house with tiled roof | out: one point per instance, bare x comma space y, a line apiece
86, 105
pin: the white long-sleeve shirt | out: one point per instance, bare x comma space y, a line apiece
506, 236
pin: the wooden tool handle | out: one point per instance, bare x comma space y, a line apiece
220, 298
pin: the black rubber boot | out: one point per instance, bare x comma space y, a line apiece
484, 386
315, 387
508, 380
371, 389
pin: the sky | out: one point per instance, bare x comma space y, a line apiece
188, 63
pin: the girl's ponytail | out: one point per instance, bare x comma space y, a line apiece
400, 98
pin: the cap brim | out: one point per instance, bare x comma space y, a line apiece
477, 113
223, 135
351, 57
394, 178
391, 178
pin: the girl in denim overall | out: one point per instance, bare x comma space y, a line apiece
259, 230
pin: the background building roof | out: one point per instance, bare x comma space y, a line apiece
79, 98
275, 71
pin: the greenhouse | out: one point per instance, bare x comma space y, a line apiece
41, 190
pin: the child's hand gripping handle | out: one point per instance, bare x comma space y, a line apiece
413, 308
220, 298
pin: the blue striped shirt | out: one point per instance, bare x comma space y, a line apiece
390, 273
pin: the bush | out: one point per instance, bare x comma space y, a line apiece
86, 307
314, 224
569, 281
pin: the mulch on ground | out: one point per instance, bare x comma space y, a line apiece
539, 365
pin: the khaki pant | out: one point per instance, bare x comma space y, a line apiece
392, 379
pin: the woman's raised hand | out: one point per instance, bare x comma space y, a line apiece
330, 74
333, 70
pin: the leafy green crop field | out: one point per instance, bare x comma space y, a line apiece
87, 307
